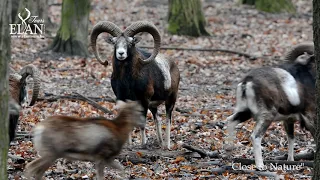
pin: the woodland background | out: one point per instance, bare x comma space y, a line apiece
206, 94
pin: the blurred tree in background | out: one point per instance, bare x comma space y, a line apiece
5, 55
72, 36
272, 6
316, 39
186, 18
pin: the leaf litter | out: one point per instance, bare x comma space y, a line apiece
207, 87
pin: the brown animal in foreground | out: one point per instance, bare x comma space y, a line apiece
88, 139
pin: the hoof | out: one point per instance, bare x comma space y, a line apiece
166, 147
228, 147
144, 146
260, 167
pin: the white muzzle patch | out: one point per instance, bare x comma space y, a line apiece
121, 51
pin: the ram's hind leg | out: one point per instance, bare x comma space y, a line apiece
38, 167
289, 127
263, 121
233, 121
157, 124
170, 102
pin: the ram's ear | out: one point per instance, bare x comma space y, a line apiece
135, 40
111, 40
311, 59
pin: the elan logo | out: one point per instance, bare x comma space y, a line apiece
30, 27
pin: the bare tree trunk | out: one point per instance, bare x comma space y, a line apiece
14, 10
272, 6
36, 7
5, 54
316, 39
186, 18
72, 37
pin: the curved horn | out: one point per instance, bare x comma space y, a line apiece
34, 73
145, 26
100, 27
298, 50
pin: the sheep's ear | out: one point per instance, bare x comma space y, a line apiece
135, 40
111, 40
311, 59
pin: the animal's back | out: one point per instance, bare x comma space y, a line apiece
70, 136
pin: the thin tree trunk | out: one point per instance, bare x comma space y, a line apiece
5, 54
316, 39
36, 7
72, 37
14, 10
186, 18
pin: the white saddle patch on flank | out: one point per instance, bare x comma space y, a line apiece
164, 67
289, 86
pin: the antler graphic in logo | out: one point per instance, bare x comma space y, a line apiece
23, 21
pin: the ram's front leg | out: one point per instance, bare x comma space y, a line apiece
157, 124
100, 169
145, 105
115, 164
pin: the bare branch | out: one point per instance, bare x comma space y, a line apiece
251, 57
202, 153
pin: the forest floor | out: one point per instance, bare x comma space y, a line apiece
206, 94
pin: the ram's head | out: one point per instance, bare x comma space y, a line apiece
123, 41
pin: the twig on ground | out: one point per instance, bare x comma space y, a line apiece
80, 97
69, 69
52, 98
251, 57
203, 154
94, 104
149, 156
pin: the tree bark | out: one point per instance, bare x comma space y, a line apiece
5, 54
272, 6
316, 39
36, 7
14, 10
72, 36
249, 2
186, 18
